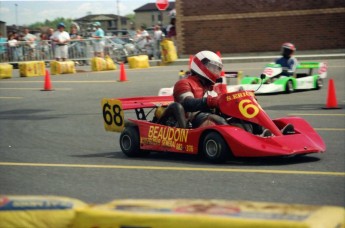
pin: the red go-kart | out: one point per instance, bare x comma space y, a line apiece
171, 132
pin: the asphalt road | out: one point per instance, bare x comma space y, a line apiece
54, 143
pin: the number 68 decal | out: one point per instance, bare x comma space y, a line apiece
112, 115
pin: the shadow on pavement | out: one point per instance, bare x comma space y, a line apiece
26, 114
164, 157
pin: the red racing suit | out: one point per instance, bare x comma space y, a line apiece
189, 92
193, 88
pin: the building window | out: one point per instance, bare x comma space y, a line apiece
153, 19
160, 17
123, 21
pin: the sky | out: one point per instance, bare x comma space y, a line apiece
29, 12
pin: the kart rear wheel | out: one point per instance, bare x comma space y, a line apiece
289, 87
130, 142
319, 84
215, 149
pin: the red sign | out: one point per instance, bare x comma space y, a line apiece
162, 4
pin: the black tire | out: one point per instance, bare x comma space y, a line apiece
319, 84
289, 87
130, 142
215, 149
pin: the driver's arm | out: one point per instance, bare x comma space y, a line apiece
184, 95
191, 104
292, 66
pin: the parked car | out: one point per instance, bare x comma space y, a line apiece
118, 49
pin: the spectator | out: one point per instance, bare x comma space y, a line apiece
21, 45
30, 44
74, 33
157, 38
3, 41
137, 35
13, 44
50, 32
61, 38
141, 38
171, 31
149, 47
99, 42
29, 38
44, 47
74, 49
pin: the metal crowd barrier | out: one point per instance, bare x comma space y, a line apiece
80, 51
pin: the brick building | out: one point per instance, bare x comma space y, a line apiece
232, 26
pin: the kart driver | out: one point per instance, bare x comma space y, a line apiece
287, 61
206, 67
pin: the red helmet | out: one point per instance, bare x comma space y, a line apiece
289, 46
207, 65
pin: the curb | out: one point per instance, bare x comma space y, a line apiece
257, 58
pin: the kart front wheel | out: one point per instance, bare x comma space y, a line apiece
215, 149
289, 87
130, 142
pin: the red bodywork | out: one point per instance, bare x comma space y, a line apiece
242, 105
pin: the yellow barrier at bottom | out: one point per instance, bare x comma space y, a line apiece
6, 70
140, 61
207, 213
63, 212
38, 211
64, 67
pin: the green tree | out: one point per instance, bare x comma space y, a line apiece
131, 19
53, 23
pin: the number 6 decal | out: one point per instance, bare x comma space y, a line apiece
243, 107
112, 115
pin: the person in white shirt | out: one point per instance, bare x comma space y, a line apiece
13, 43
29, 38
157, 38
141, 38
30, 44
61, 38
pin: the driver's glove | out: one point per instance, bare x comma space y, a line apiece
212, 102
220, 88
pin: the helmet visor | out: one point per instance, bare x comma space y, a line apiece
214, 67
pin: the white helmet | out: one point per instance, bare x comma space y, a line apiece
208, 65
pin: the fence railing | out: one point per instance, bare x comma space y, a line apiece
78, 50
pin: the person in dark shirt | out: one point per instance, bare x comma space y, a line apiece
287, 61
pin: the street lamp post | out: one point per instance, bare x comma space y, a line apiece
118, 16
16, 5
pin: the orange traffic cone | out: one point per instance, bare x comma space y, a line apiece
220, 56
47, 82
331, 97
123, 76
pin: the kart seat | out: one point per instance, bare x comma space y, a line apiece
174, 116
301, 75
